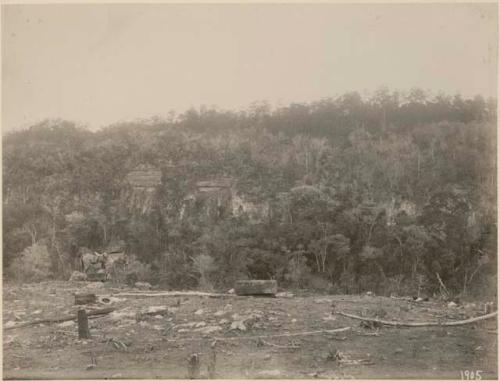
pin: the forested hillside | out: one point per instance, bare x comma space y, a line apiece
343, 195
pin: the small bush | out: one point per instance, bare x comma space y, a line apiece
118, 271
173, 271
298, 272
204, 265
131, 278
129, 273
33, 265
319, 283
346, 283
143, 271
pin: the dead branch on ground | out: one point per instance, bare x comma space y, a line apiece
326, 331
92, 313
418, 324
279, 346
174, 294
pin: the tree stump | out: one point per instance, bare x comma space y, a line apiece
83, 324
193, 366
256, 287
212, 360
84, 298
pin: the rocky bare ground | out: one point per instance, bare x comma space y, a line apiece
252, 337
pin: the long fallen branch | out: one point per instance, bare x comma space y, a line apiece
297, 334
173, 294
417, 324
280, 346
90, 314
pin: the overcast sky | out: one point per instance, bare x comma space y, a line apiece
98, 64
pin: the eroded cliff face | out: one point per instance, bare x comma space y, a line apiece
219, 198
256, 211
210, 198
143, 182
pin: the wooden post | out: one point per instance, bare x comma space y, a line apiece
83, 324
212, 360
193, 366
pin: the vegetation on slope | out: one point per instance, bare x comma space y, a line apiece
379, 194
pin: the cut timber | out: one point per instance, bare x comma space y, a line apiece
92, 313
256, 287
417, 324
84, 298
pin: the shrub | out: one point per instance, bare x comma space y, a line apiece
121, 272
143, 271
298, 272
204, 265
33, 265
173, 271
346, 283
118, 271
319, 283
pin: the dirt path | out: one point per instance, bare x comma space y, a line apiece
130, 345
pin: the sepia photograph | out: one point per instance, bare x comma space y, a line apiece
249, 191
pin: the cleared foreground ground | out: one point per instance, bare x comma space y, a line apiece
130, 345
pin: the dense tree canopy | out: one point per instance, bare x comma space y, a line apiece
381, 194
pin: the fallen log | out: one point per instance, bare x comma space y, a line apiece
419, 324
92, 313
279, 346
173, 294
297, 334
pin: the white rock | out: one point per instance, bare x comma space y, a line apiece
285, 295
66, 324
239, 325
95, 285
270, 373
143, 285
329, 318
154, 309
118, 315
9, 324
209, 329
199, 312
